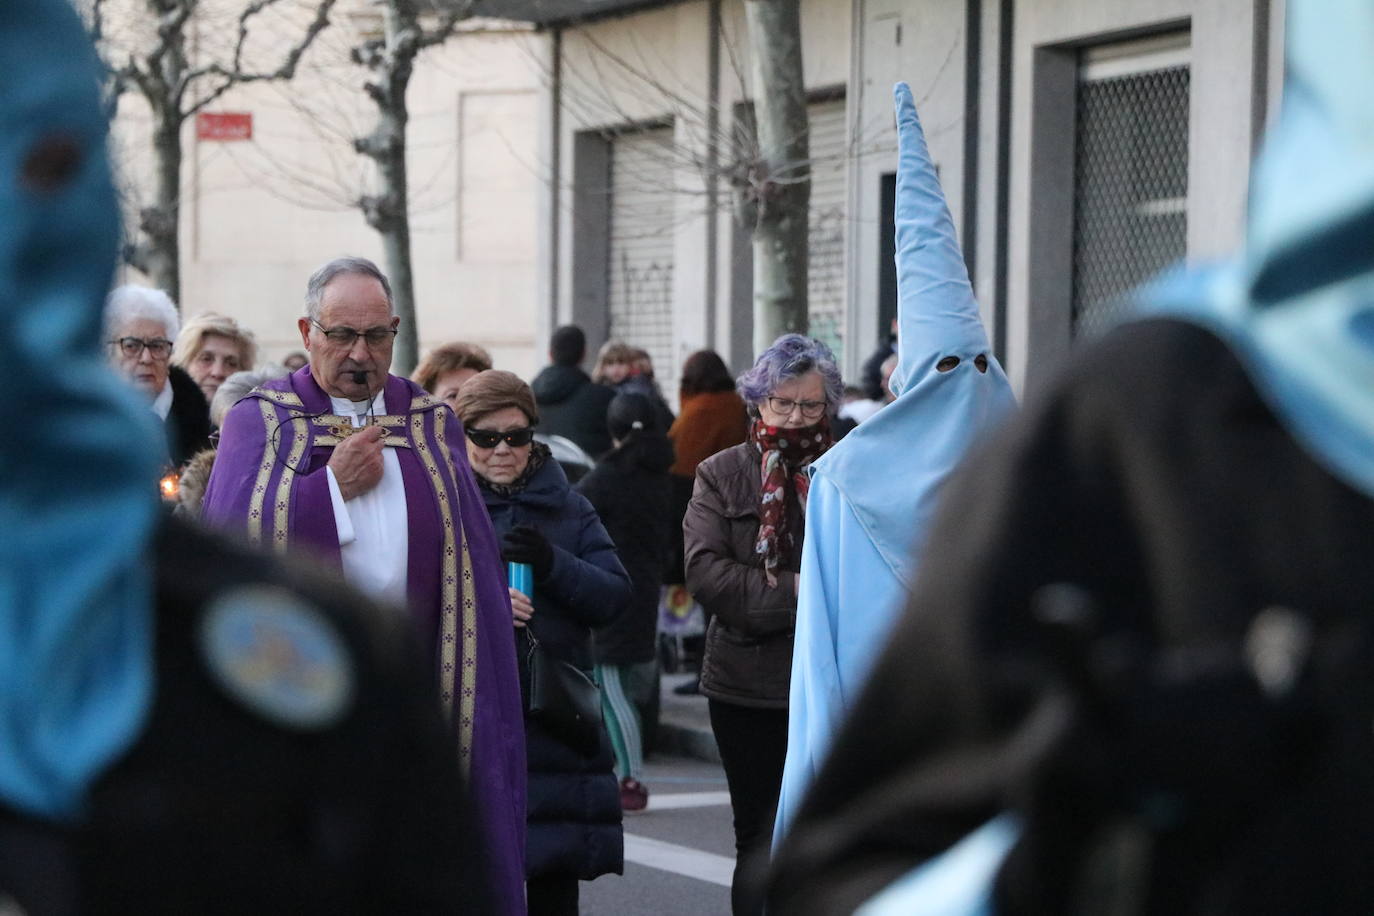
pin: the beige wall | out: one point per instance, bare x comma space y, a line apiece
487, 208
649, 67
923, 45
259, 216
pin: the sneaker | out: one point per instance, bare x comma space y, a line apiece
634, 797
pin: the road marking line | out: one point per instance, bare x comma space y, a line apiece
680, 860
665, 800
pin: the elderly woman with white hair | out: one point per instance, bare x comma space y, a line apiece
141, 326
212, 347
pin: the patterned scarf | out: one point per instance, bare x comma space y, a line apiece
786, 453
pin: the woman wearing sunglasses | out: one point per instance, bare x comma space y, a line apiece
574, 800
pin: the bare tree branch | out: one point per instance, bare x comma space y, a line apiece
448, 21
159, 66
115, 79
235, 75
164, 62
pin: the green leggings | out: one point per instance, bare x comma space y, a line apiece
618, 696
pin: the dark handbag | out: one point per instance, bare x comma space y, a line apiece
564, 700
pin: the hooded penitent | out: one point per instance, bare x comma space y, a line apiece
1297, 308
77, 498
874, 495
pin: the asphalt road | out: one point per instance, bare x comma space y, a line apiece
679, 854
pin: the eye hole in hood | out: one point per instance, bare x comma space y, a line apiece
980, 362
946, 363
51, 165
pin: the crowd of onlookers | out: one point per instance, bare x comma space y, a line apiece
599, 466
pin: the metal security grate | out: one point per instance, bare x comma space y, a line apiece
825, 287
1131, 188
641, 249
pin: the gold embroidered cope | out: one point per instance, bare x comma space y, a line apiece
457, 583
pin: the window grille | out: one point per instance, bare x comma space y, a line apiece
1131, 184
825, 286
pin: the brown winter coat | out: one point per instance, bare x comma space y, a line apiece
748, 657
710, 422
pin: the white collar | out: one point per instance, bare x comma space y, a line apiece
345, 408
162, 404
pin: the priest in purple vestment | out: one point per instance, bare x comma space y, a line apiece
368, 473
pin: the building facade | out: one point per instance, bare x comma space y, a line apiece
578, 161
1083, 145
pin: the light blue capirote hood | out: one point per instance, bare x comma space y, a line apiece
1298, 305
891, 467
78, 464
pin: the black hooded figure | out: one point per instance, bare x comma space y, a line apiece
570, 403
632, 492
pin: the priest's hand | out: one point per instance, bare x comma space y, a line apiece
357, 462
520, 607
524, 544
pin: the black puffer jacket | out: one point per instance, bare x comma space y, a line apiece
646, 386
631, 490
220, 806
573, 406
573, 810
188, 422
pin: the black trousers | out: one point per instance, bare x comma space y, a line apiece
753, 747
555, 895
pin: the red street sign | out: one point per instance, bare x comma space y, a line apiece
224, 125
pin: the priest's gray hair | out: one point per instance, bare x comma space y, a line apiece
314, 289
131, 303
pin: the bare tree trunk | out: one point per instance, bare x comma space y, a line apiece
159, 253
388, 211
396, 247
391, 60
784, 195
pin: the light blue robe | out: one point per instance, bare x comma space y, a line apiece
957, 883
874, 495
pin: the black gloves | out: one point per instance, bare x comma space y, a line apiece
524, 544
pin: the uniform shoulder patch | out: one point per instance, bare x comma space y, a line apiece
279, 656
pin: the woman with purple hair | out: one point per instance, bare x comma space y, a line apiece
743, 544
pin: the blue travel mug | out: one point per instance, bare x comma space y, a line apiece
520, 577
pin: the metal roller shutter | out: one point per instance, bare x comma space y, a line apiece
825, 282
641, 246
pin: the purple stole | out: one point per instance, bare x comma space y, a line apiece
269, 483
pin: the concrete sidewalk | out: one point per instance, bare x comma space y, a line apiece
684, 725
